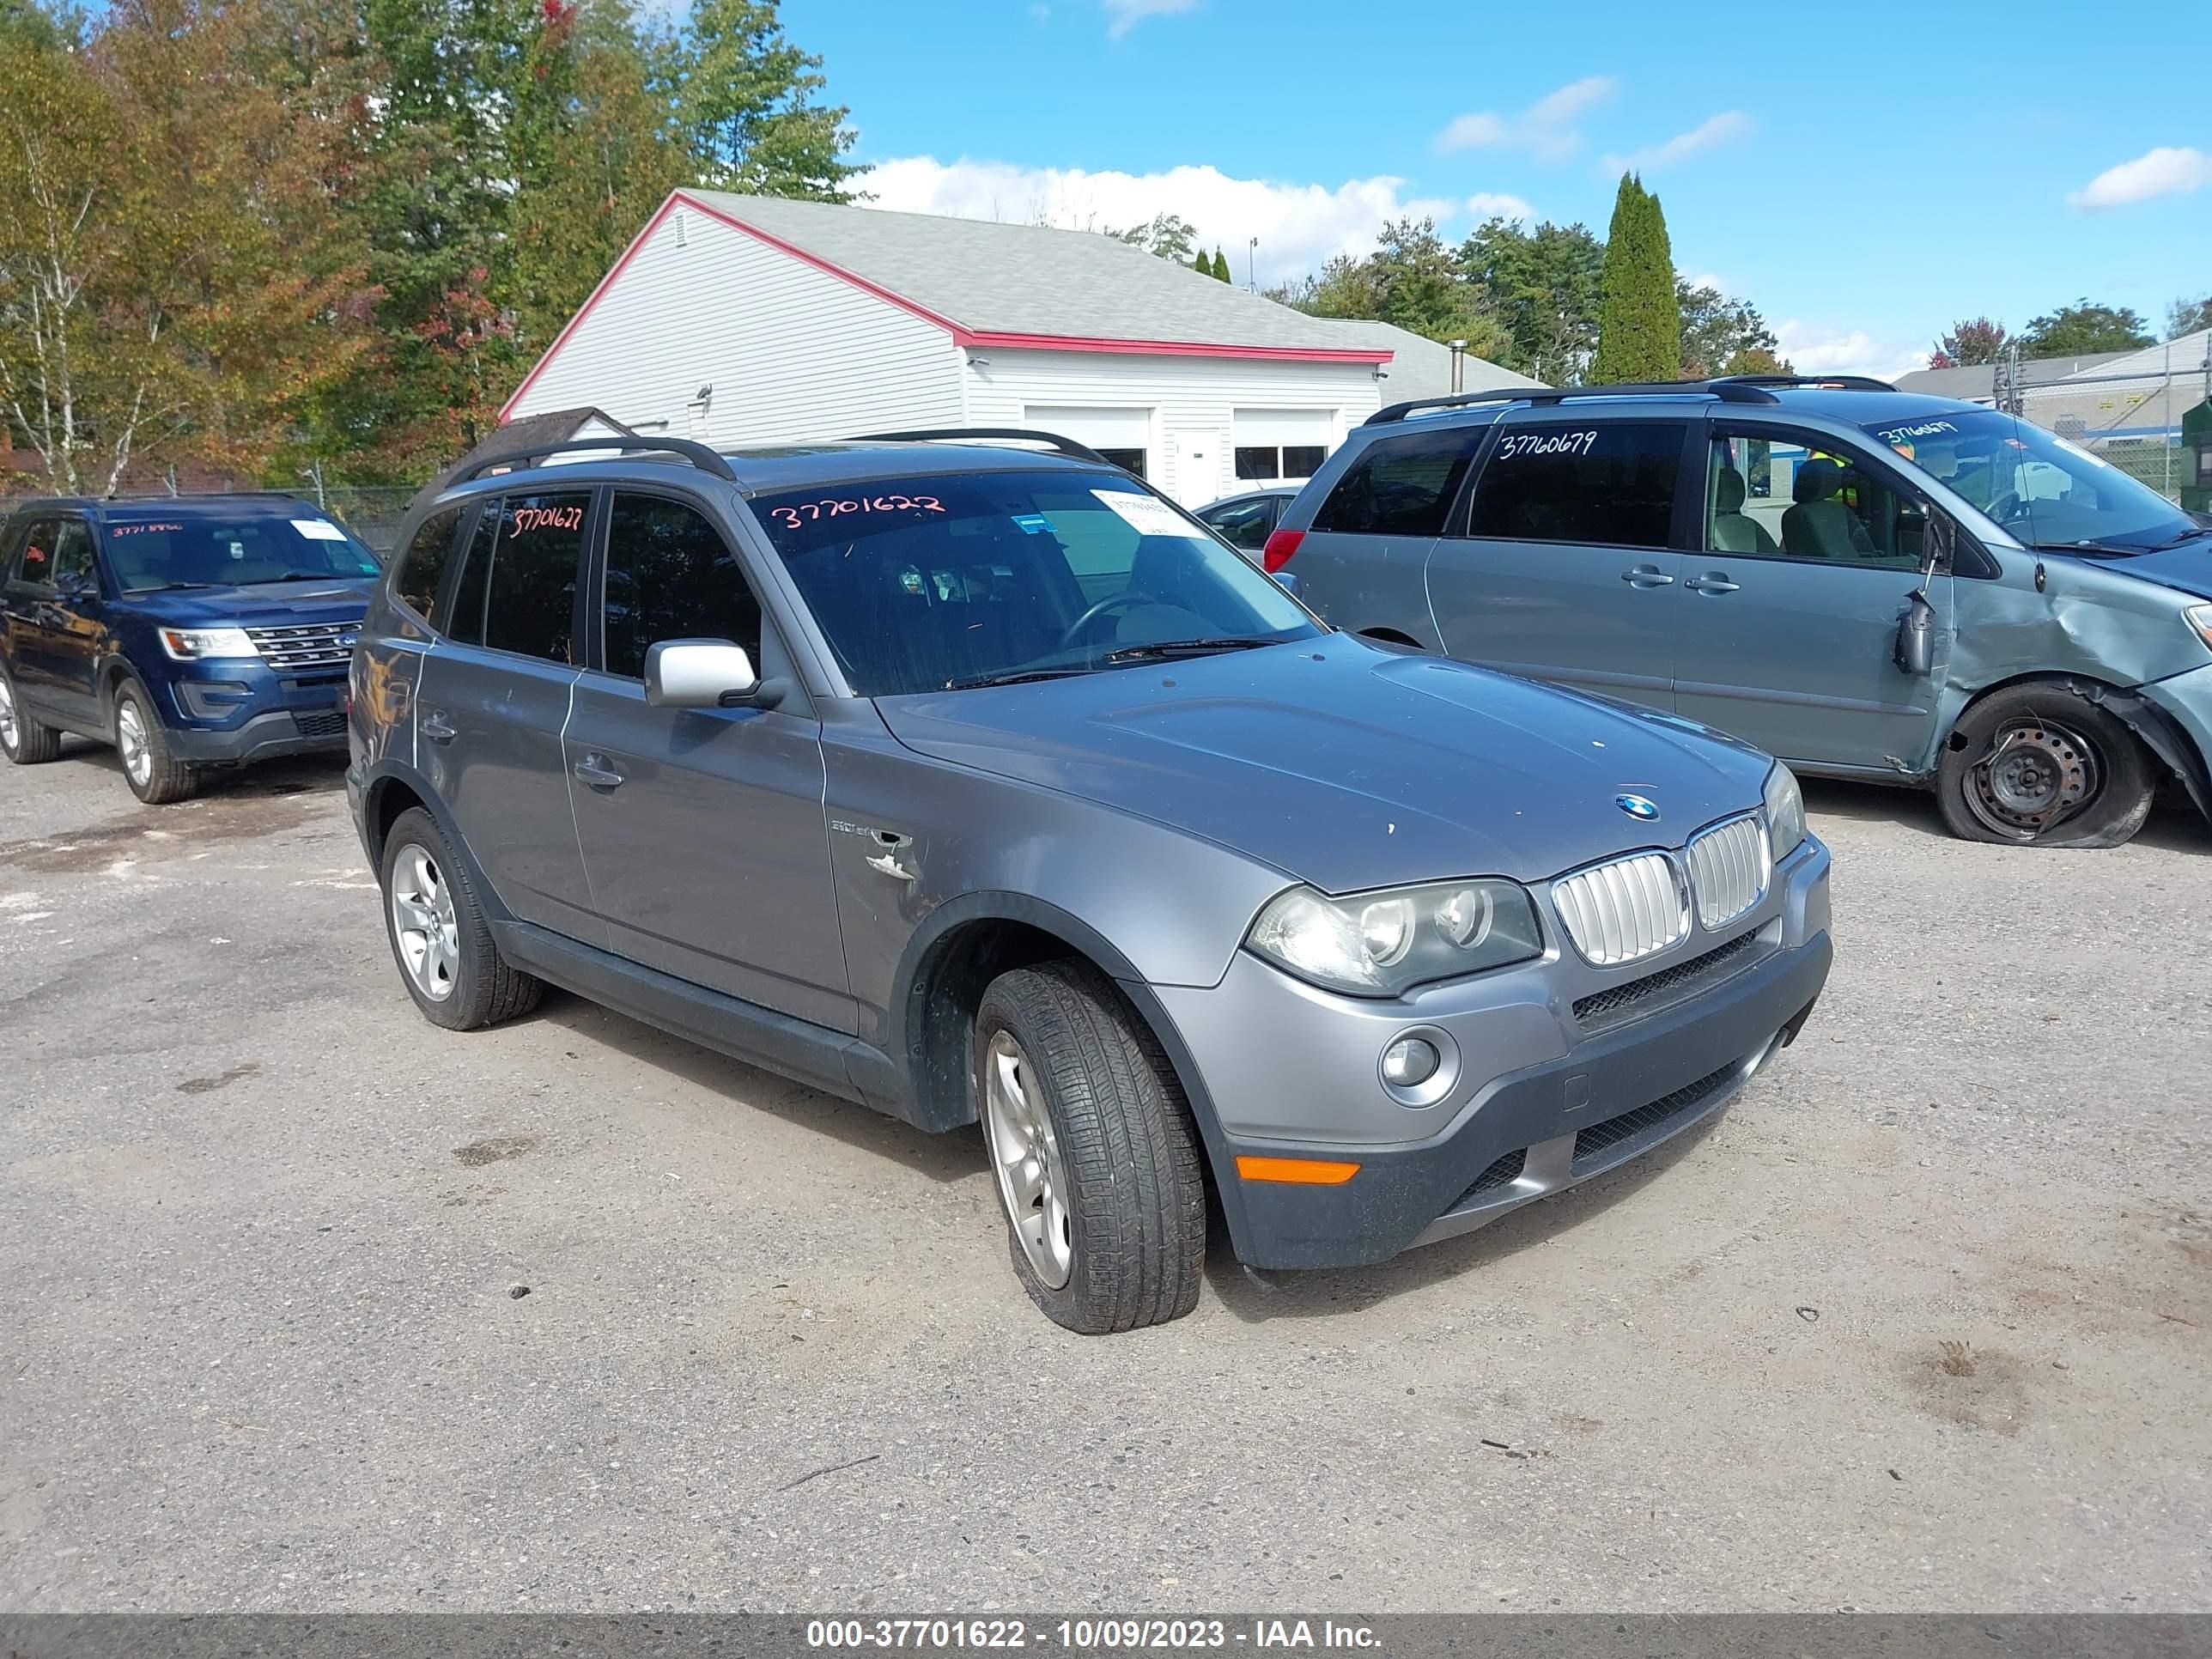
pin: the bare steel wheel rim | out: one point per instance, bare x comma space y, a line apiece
130, 738
422, 923
7, 728
2034, 776
1025, 1156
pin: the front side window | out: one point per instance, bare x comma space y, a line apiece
671, 576
1775, 495
163, 545
35, 560
423, 565
74, 571
529, 598
2052, 494
1401, 486
943, 581
1581, 482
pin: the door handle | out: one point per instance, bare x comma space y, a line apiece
594, 770
436, 728
1647, 576
1711, 583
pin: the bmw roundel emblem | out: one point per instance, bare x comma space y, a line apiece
1638, 807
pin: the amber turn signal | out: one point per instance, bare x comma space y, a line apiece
1300, 1172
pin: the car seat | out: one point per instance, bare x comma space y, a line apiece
1819, 526
1734, 531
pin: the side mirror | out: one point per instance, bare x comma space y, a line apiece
1288, 580
701, 674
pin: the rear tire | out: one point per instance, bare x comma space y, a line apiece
2039, 765
154, 775
1093, 1148
24, 740
440, 936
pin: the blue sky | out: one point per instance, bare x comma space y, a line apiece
1864, 176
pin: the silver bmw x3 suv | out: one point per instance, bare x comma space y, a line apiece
982, 782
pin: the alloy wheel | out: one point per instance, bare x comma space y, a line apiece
1026, 1158
130, 738
422, 923
8, 726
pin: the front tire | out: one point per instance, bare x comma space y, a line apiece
1092, 1149
439, 935
2038, 765
154, 775
24, 741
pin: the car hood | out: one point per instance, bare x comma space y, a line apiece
2187, 568
1348, 766
256, 604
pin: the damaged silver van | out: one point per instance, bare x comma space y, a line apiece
1864, 582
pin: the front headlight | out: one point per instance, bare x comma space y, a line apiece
2199, 616
193, 644
1786, 812
1382, 944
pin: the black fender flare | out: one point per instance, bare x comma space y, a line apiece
379, 778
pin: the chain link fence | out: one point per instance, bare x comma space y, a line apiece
2126, 413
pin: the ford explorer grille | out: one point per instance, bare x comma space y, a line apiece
1624, 911
1729, 869
313, 645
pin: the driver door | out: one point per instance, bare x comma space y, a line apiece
1786, 621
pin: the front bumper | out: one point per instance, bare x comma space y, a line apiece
226, 712
1543, 1099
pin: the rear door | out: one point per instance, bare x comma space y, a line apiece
495, 697
1565, 560
1786, 614
702, 829
57, 620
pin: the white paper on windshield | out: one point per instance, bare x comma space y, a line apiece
319, 530
2093, 458
1148, 515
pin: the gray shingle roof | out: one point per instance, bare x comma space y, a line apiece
1029, 279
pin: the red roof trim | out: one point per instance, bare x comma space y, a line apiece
961, 336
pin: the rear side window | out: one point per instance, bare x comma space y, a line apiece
1613, 485
423, 565
671, 576
530, 602
1401, 486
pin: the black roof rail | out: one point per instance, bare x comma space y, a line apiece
1058, 444
698, 455
1840, 382
1731, 390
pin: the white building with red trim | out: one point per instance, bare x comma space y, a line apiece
741, 320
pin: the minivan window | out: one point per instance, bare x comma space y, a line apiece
671, 576
1781, 497
1610, 484
2052, 493
952, 581
423, 565
1401, 486
529, 604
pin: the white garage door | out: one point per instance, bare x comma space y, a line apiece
1282, 446
1124, 436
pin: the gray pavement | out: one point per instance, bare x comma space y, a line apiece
1924, 1322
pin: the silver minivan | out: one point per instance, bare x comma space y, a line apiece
1865, 582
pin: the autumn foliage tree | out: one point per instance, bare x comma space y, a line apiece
1971, 340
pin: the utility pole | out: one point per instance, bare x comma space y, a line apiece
1252, 264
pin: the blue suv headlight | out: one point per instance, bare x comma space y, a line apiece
196, 644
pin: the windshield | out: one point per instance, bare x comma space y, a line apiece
154, 549
923, 584
2050, 493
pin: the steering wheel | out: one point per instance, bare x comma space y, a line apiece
2009, 508
1116, 602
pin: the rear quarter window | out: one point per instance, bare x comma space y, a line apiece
1401, 486
421, 567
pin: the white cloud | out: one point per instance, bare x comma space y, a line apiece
1299, 226
1546, 127
1497, 204
1122, 16
2162, 171
1723, 128
1813, 349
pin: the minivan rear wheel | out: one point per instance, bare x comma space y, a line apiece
439, 935
1092, 1150
2038, 765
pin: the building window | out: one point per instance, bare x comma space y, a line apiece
1129, 460
1266, 463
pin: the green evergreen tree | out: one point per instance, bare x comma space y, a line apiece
1639, 332
1221, 267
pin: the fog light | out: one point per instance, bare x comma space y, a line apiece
1409, 1062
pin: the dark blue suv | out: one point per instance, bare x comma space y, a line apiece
189, 632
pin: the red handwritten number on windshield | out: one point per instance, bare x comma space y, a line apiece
807, 512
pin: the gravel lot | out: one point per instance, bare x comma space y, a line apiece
1924, 1322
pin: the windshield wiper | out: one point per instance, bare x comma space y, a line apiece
168, 587
1013, 677
2088, 548
1184, 648
2188, 535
